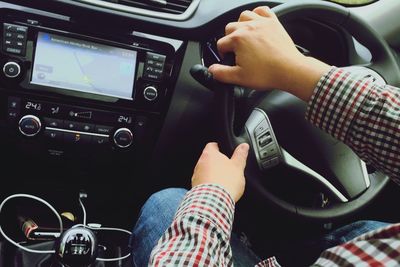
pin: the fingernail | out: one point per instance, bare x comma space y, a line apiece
245, 147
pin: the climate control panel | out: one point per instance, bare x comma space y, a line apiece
68, 124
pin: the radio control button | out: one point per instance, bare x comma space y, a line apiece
11, 69
123, 138
150, 93
14, 50
14, 39
30, 125
155, 57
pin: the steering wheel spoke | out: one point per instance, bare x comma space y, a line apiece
269, 153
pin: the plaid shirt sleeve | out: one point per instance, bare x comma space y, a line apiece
366, 117
200, 232
363, 115
377, 248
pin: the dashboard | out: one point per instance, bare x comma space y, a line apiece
69, 89
87, 80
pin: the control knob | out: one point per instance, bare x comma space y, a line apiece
29, 125
123, 137
11, 69
150, 93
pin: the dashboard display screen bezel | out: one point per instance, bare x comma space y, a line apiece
76, 91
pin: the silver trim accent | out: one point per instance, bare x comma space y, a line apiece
120, 130
362, 72
16, 65
76, 132
160, 2
298, 165
256, 117
150, 88
365, 174
36, 119
149, 13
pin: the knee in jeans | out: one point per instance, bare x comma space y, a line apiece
169, 197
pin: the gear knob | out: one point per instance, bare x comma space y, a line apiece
77, 247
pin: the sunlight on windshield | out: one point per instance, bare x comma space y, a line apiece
353, 2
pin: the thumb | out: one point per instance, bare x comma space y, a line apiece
240, 155
225, 74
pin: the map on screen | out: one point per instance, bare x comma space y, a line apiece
68, 63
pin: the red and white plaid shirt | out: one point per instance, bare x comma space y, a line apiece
363, 115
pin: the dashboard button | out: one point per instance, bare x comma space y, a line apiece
14, 102
12, 114
123, 138
77, 138
84, 127
150, 93
14, 50
53, 123
11, 69
54, 135
101, 129
155, 57
71, 125
100, 140
30, 125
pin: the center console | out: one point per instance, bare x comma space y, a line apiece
68, 87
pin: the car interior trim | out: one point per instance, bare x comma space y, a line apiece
139, 11
76, 132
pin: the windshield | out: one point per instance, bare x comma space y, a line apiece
353, 2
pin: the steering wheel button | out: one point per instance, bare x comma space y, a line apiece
274, 161
266, 164
265, 140
261, 128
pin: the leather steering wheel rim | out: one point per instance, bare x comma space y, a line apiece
383, 62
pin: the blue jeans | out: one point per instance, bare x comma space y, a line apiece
157, 215
158, 212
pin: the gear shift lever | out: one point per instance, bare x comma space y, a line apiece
77, 247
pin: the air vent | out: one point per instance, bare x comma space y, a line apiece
170, 6
165, 9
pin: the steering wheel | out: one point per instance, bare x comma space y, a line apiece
280, 137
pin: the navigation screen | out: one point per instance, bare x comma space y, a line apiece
84, 66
